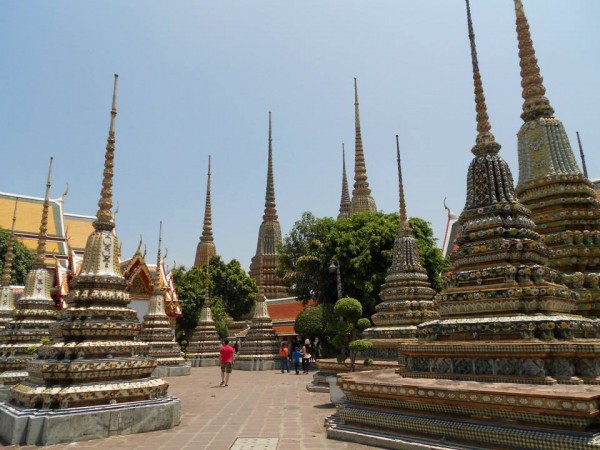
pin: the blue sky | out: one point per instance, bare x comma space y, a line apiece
199, 77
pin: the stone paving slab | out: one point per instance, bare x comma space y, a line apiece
265, 404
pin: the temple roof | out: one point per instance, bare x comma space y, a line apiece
140, 277
286, 308
283, 313
61, 226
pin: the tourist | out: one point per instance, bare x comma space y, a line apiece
236, 347
283, 358
297, 355
306, 356
226, 359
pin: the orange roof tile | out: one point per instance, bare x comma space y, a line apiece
78, 229
285, 330
286, 310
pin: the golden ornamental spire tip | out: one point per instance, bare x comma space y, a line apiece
485, 142
403, 224
104, 216
536, 103
41, 248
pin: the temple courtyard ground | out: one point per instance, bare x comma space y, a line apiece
254, 405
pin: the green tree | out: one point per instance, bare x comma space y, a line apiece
190, 290
361, 246
231, 283
231, 290
23, 258
316, 321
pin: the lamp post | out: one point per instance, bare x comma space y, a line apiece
334, 267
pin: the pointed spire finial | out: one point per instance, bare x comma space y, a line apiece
104, 216
65, 193
485, 142
8, 256
345, 200
270, 211
360, 170
41, 247
536, 104
361, 194
583, 164
158, 258
403, 224
159, 244
207, 235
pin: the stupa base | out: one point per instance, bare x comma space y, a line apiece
203, 361
13, 377
4, 394
46, 427
172, 371
319, 383
256, 364
9, 379
465, 414
338, 430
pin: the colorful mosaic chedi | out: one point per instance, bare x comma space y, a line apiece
94, 358
264, 262
7, 301
156, 328
407, 295
345, 198
34, 311
362, 201
203, 349
560, 197
260, 349
206, 247
508, 364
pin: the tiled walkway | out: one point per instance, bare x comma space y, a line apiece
255, 404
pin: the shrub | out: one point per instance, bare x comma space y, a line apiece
355, 348
348, 308
363, 324
310, 321
360, 345
368, 362
339, 341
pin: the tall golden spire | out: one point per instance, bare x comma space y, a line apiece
8, 257
207, 231
206, 247
41, 247
104, 216
485, 141
270, 211
158, 258
264, 263
361, 194
403, 227
345, 200
536, 104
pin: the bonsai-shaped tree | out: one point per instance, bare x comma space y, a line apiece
349, 310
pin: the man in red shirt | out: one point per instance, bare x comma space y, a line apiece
226, 359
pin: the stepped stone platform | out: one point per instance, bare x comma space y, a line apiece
331, 367
520, 415
46, 427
